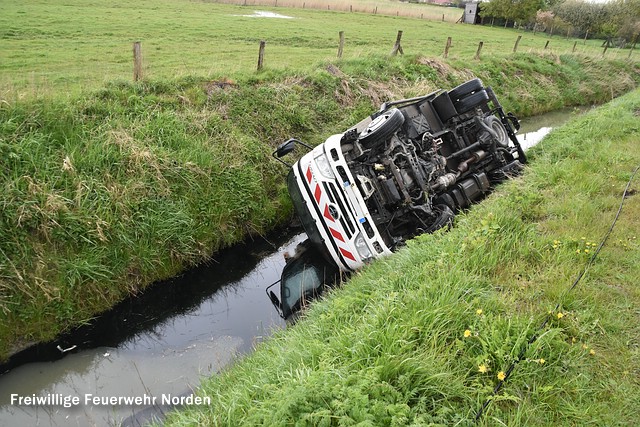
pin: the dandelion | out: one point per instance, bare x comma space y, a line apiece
501, 376
560, 315
541, 361
583, 238
594, 245
573, 340
467, 333
483, 369
479, 311
578, 251
586, 251
584, 346
592, 352
555, 246
556, 242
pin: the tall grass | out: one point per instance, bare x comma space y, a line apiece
423, 337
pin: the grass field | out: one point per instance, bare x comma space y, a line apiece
55, 48
424, 337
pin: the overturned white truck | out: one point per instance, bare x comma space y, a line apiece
401, 172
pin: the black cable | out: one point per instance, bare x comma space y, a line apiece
534, 337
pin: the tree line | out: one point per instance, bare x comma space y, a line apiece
616, 19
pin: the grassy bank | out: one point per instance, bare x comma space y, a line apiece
423, 337
106, 193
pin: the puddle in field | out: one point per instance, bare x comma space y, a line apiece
264, 14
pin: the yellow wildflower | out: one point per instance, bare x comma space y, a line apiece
560, 315
479, 311
584, 346
592, 352
541, 361
501, 376
586, 251
467, 333
578, 251
483, 369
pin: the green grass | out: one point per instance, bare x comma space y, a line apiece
104, 193
55, 48
389, 347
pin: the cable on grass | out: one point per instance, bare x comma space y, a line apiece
534, 337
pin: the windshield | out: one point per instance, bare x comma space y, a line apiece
300, 283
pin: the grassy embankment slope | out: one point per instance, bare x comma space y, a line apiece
109, 191
422, 337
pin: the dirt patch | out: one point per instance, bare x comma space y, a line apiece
219, 85
440, 67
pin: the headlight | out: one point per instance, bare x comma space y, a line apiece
323, 166
362, 248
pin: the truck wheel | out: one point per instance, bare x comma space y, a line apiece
471, 101
496, 125
381, 128
467, 88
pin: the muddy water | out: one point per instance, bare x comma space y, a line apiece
533, 129
195, 326
161, 344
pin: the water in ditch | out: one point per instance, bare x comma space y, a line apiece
161, 344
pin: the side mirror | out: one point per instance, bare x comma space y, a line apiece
285, 148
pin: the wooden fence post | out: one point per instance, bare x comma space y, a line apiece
351, 8
546, 45
606, 46
515, 46
443, 17
137, 61
479, 50
397, 47
446, 47
574, 47
261, 55
341, 45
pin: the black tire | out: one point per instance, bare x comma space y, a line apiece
501, 132
467, 88
444, 107
381, 128
471, 101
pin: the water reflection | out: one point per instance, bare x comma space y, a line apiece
534, 129
161, 343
